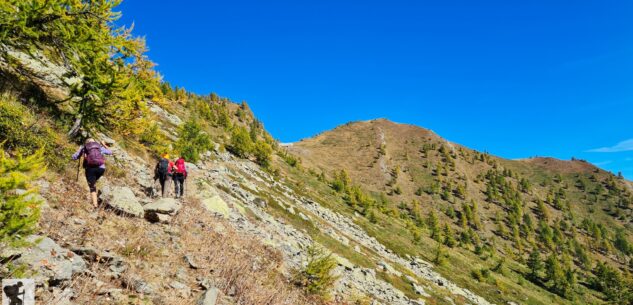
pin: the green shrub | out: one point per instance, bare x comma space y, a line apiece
316, 277
291, 160
241, 144
154, 139
19, 208
23, 134
192, 141
263, 153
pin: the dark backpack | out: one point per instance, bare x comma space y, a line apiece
94, 157
163, 167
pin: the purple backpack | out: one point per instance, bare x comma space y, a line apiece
94, 157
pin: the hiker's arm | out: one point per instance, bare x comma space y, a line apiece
104, 148
78, 153
105, 151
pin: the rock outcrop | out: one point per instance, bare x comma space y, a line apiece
122, 200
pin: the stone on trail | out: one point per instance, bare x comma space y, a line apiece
122, 200
163, 206
157, 217
209, 297
52, 263
161, 210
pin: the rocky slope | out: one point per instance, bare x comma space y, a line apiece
412, 172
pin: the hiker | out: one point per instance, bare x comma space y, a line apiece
163, 172
179, 176
94, 164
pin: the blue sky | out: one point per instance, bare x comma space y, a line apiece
514, 78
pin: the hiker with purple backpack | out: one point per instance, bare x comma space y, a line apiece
94, 164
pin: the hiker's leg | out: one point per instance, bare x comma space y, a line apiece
161, 179
175, 185
91, 178
93, 196
179, 182
168, 182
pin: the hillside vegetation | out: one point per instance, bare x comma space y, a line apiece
539, 226
369, 213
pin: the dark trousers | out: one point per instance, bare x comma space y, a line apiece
92, 175
179, 182
163, 179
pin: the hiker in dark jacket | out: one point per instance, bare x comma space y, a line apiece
163, 172
94, 164
179, 176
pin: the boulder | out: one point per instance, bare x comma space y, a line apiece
209, 297
217, 205
157, 217
169, 206
52, 263
122, 200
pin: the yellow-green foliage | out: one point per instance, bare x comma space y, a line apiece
23, 133
81, 36
317, 277
263, 153
19, 208
192, 141
241, 143
154, 139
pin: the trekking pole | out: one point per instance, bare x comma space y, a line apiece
79, 165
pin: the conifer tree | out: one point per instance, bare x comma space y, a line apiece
115, 77
192, 141
19, 208
263, 153
449, 237
241, 144
434, 226
535, 264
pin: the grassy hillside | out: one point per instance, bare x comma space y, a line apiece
421, 194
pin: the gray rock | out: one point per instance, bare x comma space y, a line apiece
122, 200
191, 262
260, 202
161, 210
139, 285
163, 206
157, 217
419, 290
191, 166
117, 268
178, 285
173, 119
63, 296
53, 264
209, 297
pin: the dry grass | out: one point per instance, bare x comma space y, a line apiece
242, 268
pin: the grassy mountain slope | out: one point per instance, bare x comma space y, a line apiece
410, 172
